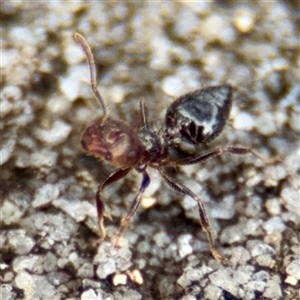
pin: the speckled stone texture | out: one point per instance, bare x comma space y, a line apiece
158, 51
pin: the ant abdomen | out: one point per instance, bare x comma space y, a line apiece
200, 116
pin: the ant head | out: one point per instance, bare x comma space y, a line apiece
113, 141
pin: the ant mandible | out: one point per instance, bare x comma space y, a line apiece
196, 117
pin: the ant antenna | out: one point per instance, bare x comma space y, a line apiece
80, 40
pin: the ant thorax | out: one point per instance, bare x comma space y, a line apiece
155, 144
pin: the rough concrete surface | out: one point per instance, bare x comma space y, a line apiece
155, 51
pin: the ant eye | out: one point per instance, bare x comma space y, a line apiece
199, 116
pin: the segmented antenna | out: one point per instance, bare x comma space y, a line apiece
80, 40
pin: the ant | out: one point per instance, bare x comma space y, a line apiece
196, 118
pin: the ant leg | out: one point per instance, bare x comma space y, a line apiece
203, 217
115, 176
219, 151
133, 207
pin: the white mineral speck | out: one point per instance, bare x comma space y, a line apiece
86, 271
293, 269
254, 206
184, 246
148, 202
161, 239
291, 280
216, 28
186, 21
224, 209
74, 259
58, 105
71, 85
43, 158
21, 263
239, 255
265, 124
294, 121
117, 94
6, 292
10, 213
253, 286
22, 36
78, 210
21, 243
106, 268
160, 58
123, 259
172, 86
55, 135
290, 198
243, 274
244, 20
25, 282
259, 248
119, 279
213, 292
62, 262
232, 234
223, 279
90, 294
45, 195
188, 277
136, 277
43, 289
273, 290
7, 150
273, 206
9, 97
253, 227
6, 106
188, 297
273, 224
73, 54
243, 121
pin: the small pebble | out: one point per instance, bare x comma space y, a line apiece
244, 20
184, 246
45, 195
20, 243
106, 268
90, 294
273, 224
25, 282
273, 290
293, 269
172, 86
244, 121
119, 279
55, 135
273, 206
223, 279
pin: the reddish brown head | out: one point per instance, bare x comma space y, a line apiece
113, 141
